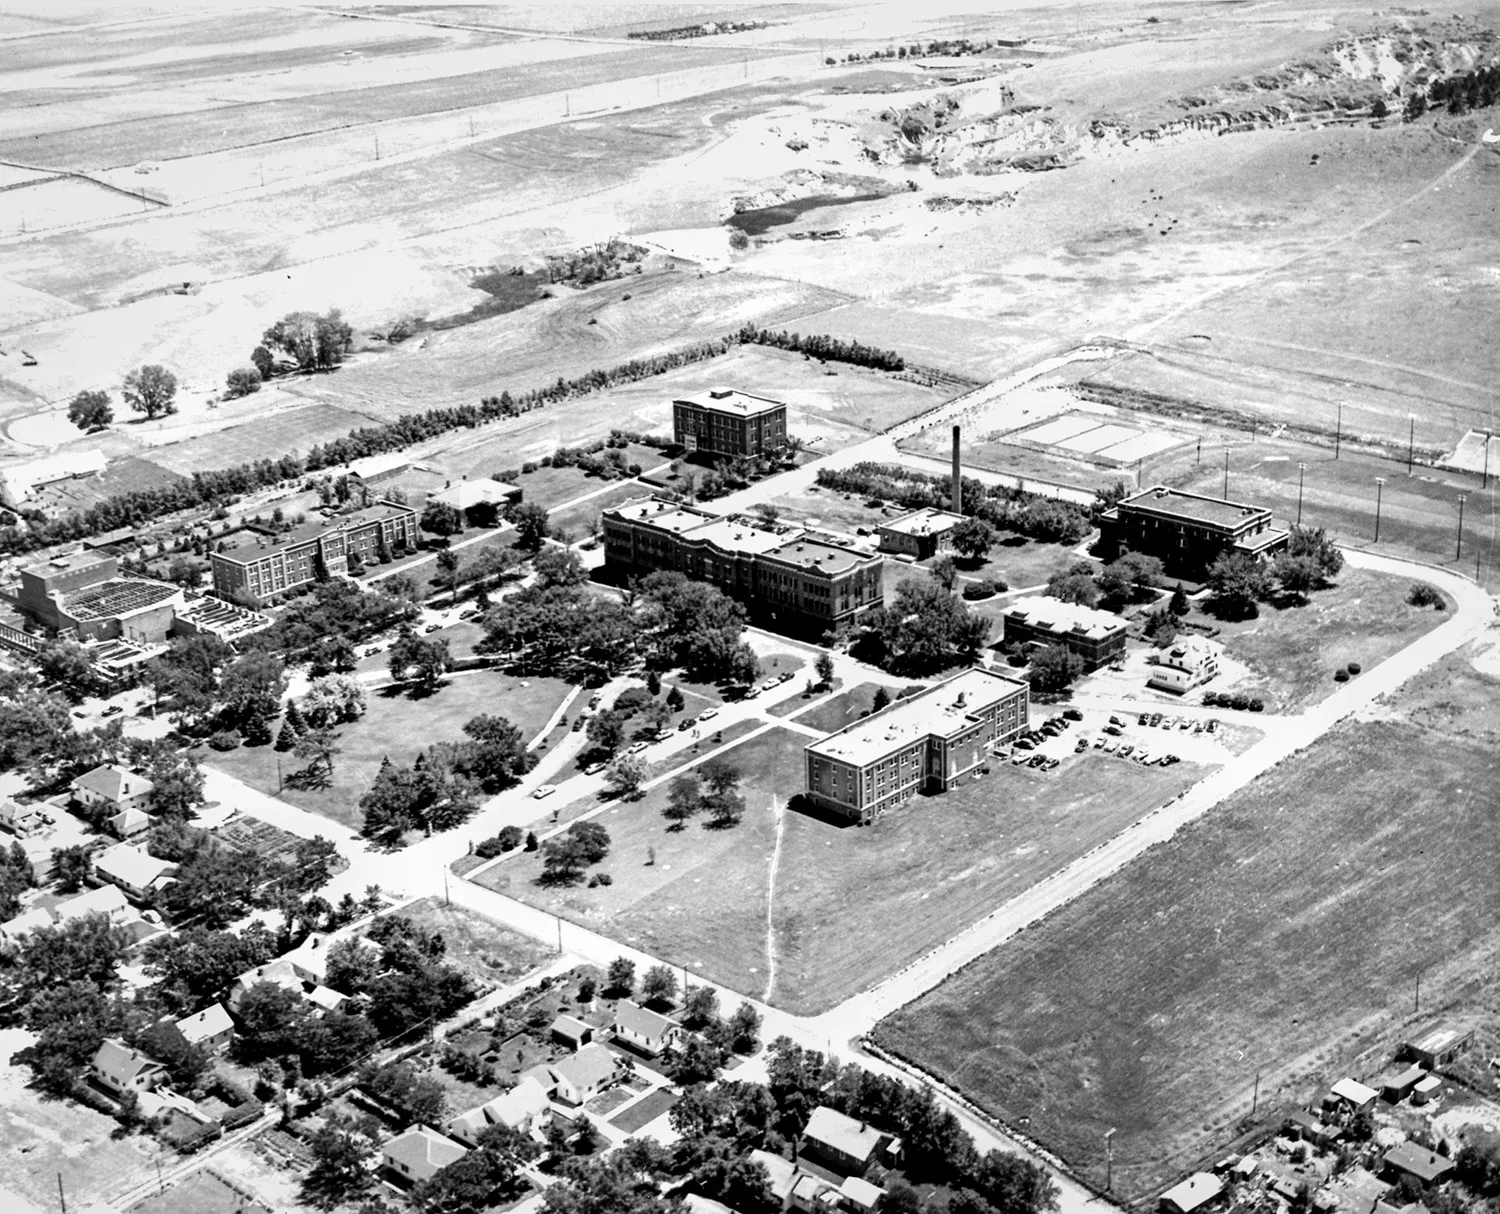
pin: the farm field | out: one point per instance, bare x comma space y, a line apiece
40, 1137
1280, 934
1293, 651
909, 882
386, 730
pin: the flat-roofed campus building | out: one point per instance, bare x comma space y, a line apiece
923, 744
728, 422
267, 563
920, 534
792, 578
1098, 637
1187, 532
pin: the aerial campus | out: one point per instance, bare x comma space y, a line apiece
847, 607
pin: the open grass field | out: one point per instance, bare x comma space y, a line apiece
1282, 933
41, 1136
845, 708
200, 1193
296, 430
488, 952
906, 884
1293, 651
386, 729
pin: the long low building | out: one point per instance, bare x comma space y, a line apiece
926, 743
792, 578
1098, 637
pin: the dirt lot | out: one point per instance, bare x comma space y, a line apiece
489, 953
41, 1137
915, 878
1282, 934
385, 729
201, 1193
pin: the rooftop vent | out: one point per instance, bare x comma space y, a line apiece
720, 393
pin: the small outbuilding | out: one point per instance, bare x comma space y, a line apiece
1437, 1048
1398, 1087
1195, 1193
1408, 1159
1353, 1093
572, 1032
1427, 1090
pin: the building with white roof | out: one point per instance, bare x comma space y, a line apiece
1186, 663
728, 422
211, 1028
20, 483
926, 742
466, 495
107, 900
137, 874
1098, 637
844, 1143
920, 534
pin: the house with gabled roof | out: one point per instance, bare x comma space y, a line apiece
642, 1029
524, 1108
130, 824
582, 1076
21, 820
211, 1028
107, 900
571, 1032
13, 931
844, 1143
420, 1154
119, 1069
137, 873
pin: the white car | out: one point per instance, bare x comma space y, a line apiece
637, 748
546, 790
708, 714
769, 684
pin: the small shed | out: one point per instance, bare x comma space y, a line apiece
1308, 1127
1398, 1087
1437, 1048
572, 1032
1353, 1093
1426, 1090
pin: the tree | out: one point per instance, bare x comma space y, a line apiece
659, 985
880, 699
944, 572
333, 699
263, 362
1238, 582
530, 521
448, 563
496, 755
67, 664
420, 661
620, 977
1054, 668
1129, 579
1313, 542
1298, 574
242, 381
442, 519
320, 747
973, 538
626, 775
722, 797
684, 799
744, 1029
606, 731
557, 566
352, 965
824, 668
926, 629
700, 1006
1179, 603
91, 410
70, 867
1074, 585
70, 1020
151, 390
340, 1171
314, 343
478, 1180
86, 949
251, 689
675, 701
193, 965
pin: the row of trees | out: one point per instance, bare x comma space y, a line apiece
1028, 514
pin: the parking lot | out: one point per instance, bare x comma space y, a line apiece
1150, 737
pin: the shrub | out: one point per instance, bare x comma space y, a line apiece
510, 838
1354, 668
983, 589
1257, 705
604, 879
488, 849
224, 739
1424, 595
1340, 676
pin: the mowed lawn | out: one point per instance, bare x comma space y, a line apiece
1293, 652
1282, 934
399, 726
852, 904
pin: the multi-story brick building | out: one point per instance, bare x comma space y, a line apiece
268, 563
1187, 532
729, 423
926, 743
791, 578
1098, 637
920, 534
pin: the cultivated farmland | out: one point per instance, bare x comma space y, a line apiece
1280, 934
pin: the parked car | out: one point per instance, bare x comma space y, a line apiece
1025, 744
637, 747
1156, 718
546, 790
432, 628
1051, 764
580, 722
1083, 745
1113, 730
1101, 743
685, 723
113, 710
372, 650
1144, 719
1018, 758
1213, 724
79, 713
708, 714
1184, 723
1197, 726
1036, 761
1114, 720
770, 683
1126, 751
785, 677
1051, 730
593, 769
1142, 756
1110, 747
750, 693
1073, 714
595, 700
1171, 759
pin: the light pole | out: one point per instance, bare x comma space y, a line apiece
1338, 433
1485, 484
1460, 551
1411, 441
1109, 1159
1379, 489
1301, 476
1226, 474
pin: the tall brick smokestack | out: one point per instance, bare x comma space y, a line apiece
958, 483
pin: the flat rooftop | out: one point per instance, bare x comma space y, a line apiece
670, 516
740, 534
732, 402
118, 596
71, 562
1193, 506
825, 554
941, 711
927, 521
249, 542
1058, 615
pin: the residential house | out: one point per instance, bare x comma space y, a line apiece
844, 1143
782, 1172
1186, 663
583, 1075
572, 1032
137, 874
13, 931
644, 1030
107, 900
524, 1108
1194, 1193
21, 820
859, 1196
119, 1069
130, 824
112, 788
419, 1154
811, 1194
278, 973
693, 1203
211, 1028
1408, 1159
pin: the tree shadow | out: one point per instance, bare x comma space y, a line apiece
312, 778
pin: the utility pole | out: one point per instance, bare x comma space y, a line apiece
62, 1199
1109, 1159
377, 145
446, 902
1411, 441
1255, 1100
1301, 475
1458, 554
1200, 449
1418, 1006
1379, 489
1338, 432
1484, 484
1226, 474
